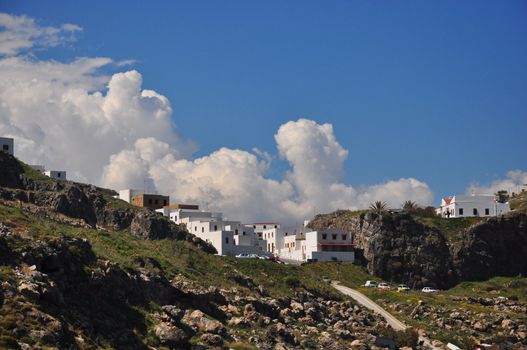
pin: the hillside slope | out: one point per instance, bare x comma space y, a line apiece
80, 270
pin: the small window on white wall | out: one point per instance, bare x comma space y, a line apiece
487, 211
460, 211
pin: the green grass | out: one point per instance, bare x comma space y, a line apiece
519, 202
116, 203
451, 228
33, 174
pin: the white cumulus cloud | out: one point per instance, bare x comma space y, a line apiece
515, 181
109, 130
21, 33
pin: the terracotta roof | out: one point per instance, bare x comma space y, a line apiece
447, 200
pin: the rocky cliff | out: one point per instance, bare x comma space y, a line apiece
494, 247
399, 248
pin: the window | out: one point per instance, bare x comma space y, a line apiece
460, 211
333, 236
236, 231
157, 201
195, 228
202, 229
5, 147
226, 240
254, 226
344, 237
244, 233
265, 227
275, 226
164, 202
215, 227
324, 236
487, 211
475, 211
58, 174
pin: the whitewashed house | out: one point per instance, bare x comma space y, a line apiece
56, 174
471, 206
327, 244
127, 194
228, 237
7, 145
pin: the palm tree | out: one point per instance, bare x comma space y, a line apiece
378, 207
409, 206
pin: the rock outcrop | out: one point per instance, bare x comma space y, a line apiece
494, 247
396, 247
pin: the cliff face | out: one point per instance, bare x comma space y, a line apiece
398, 248
495, 247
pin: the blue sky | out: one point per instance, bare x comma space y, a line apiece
431, 90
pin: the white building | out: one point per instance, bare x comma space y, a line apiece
56, 174
128, 194
327, 244
470, 206
228, 237
7, 145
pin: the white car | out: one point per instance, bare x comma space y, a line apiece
369, 283
429, 290
243, 256
384, 286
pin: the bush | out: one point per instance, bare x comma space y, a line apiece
408, 337
292, 282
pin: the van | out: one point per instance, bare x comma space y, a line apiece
369, 283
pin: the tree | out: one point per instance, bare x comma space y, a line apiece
378, 207
410, 206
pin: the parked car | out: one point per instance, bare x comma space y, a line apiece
243, 256
254, 256
384, 286
429, 290
402, 288
369, 283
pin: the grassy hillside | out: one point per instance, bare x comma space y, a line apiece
174, 257
463, 298
519, 202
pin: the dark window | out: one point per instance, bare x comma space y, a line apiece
150, 201
5, 147
460, 211
226, 240
324, 236
275, 226
244, 233
265, 227
487, 211
334, 236
164, 202
58, 174
254, 226
344, 237
215, 227
236, 231
157, 201
195, 228
203, 229
475, 211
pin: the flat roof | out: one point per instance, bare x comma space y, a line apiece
265, 223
